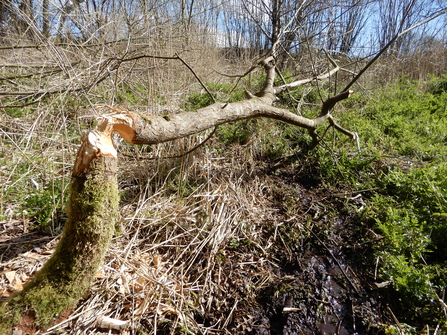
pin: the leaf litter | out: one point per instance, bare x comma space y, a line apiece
216, 246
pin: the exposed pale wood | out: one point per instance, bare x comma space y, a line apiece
93, 206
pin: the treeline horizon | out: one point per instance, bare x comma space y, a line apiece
62, 41
354, 28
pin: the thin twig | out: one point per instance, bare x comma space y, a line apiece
28, 241
189, 151
196, 147
197, 77
371, 62
401, 330
64, 44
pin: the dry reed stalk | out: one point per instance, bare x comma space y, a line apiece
170, 262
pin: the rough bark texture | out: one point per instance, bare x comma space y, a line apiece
93, 205
147, 129
92, 212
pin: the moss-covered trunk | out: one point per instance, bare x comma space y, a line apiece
93, 209
93, 206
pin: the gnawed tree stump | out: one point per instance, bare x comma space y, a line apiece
92, 212
93, 203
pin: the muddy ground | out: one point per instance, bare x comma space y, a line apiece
317, 278
324, 283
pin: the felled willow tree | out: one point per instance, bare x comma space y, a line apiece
93, 202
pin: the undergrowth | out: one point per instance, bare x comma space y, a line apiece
401, 173
402, 168
199, 213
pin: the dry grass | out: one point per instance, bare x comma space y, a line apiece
198, 234
170, 266
171, 263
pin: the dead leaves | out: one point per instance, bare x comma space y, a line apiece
18, 271
13, 284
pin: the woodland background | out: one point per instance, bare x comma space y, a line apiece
252, 232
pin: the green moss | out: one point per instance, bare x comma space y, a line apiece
146, 118
93, 211
8, 318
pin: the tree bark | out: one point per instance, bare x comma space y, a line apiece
66, 276
46, 18
93, 204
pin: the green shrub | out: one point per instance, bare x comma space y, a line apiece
43, 205
437, 85
221, 92
237, 132
35, 197
402, 168
131, 95
403, 135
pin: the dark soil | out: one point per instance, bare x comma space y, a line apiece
322, 284
317, 276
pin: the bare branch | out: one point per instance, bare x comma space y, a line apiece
270, 71
301, 82
75, 45
329, 103
325, 115
197, 77
150, 129
371, 62
107, 68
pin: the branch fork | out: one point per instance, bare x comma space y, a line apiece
150, 129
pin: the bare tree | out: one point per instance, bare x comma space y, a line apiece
5, 11
398, 15
93, 204
24, 19
346, 20
290, 27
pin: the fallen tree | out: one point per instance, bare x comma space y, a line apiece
93, 202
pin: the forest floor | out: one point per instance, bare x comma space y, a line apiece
308, 277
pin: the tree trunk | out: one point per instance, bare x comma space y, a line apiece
25, 19
93, 204
66, 276
46, 18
